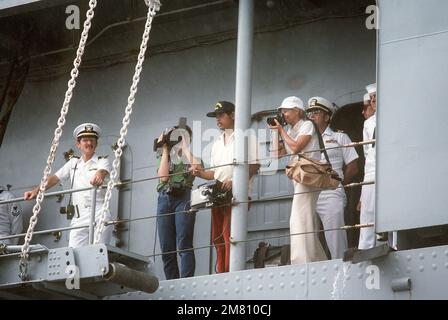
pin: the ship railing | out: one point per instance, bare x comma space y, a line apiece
120, 184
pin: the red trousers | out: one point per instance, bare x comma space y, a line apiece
221, 218
220, 235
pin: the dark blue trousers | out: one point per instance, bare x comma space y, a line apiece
176, 233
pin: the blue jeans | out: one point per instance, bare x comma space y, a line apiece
176, 229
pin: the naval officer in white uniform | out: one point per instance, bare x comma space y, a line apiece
331, 203
367, 236
10, 217
85, 171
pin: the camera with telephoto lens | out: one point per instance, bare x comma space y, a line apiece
279, 117
166, 139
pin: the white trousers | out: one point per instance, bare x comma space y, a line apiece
367, 236
330, 208
304, 248
80, 237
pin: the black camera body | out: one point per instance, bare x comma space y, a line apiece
166, 139
279, 117
209, 195
176, 189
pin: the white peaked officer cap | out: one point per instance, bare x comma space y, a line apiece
371, 88
291, 103
366, 98
319, 103
87, 130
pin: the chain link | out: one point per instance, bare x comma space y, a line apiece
153, 7
24, 256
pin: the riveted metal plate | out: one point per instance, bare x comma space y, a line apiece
92, 260
427, 269
59, 261
286, 282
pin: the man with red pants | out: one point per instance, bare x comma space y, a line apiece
223, 152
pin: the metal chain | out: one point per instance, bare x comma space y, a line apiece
24, 256
153, 7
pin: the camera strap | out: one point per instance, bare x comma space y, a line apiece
321, 142
73, 180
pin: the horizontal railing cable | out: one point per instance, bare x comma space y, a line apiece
357, 226
121, 221
124, 183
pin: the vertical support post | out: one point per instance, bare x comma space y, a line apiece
243, 96
92, 216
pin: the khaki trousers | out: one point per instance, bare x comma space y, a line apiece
305, 248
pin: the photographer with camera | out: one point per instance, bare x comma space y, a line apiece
301, 137
174, 188
85, 171
223, 152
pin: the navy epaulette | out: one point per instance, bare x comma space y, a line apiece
102, 157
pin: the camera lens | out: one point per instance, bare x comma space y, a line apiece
270, 121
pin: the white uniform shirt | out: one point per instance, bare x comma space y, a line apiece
10, 218
84, 173
305, 128
225, 153
369, 150
340, 156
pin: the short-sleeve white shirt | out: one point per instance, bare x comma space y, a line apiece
305, 128
339, 156
222, 154
81, 173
